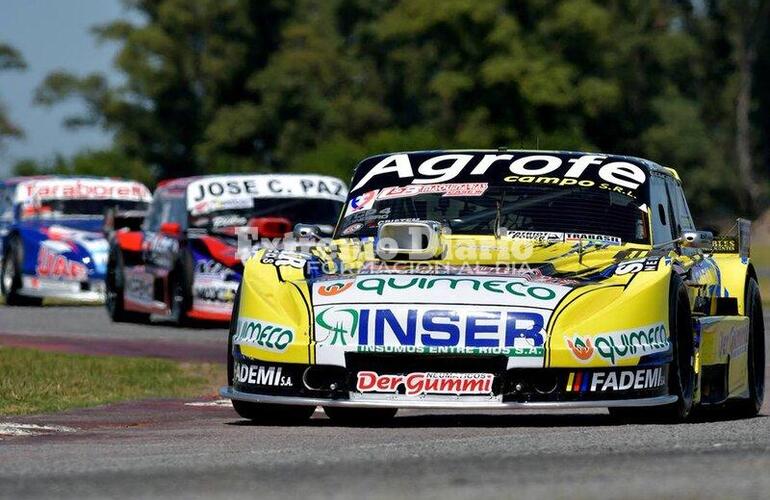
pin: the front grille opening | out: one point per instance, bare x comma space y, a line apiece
325, 378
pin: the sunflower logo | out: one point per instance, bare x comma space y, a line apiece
582, 349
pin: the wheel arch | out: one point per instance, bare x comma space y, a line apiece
13, 233
735, 272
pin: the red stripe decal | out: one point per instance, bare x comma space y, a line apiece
578, 378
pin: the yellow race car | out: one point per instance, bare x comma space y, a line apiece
486, 280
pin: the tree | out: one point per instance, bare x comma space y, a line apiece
185, 68
214, 86
10, 59
108, 162
748, 20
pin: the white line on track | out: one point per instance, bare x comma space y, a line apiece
218, 402
226, 402
14, 430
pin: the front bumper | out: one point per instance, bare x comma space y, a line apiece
230, 393
75, 291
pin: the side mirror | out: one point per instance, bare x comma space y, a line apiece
697, 239
171, 229
302, 231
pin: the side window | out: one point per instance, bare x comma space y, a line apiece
152, 220
6, 204
680, 206
178, 210
165, 211
660, 211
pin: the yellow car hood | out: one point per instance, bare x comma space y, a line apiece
565, 305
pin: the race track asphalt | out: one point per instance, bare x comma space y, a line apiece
173, 449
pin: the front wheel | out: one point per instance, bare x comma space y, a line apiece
681, 370
263, 413
11, 277
114, 299
180, 290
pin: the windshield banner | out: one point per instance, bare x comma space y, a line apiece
82, 189
626, 176
214, 193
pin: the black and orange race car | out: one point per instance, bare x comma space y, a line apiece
182, 264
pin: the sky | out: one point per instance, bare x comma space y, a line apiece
52, 34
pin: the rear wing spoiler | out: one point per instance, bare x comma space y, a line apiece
115, 220
737, 240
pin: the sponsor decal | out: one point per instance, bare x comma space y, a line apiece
160, 244
216, 292
585, 170
544, 236
54, 265
734, 343
725, 244
583, 350
263, 335
139, 286
209, 268
616, 346
419, 383
361, 202
209, 206
334, 288
432, 330
448, 189
368, 216
621, 380
83, 189
639, 265
352, 228
237, 191
284, 258
592, 237
244, 373
228, 220
467, 269
445, 289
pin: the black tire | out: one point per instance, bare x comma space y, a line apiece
747, 408
231, 332
11, 275
681, 371
114, 284
180, 290
273, 414
360, 417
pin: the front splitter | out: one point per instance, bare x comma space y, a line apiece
230, 393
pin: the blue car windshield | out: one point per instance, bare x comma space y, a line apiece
63, 209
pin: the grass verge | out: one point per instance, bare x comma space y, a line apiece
34, 381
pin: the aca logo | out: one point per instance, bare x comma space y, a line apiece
582, 349
334, 288
362, 202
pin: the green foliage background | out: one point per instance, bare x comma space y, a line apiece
316, 85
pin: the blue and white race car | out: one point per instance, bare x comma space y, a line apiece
51, 234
